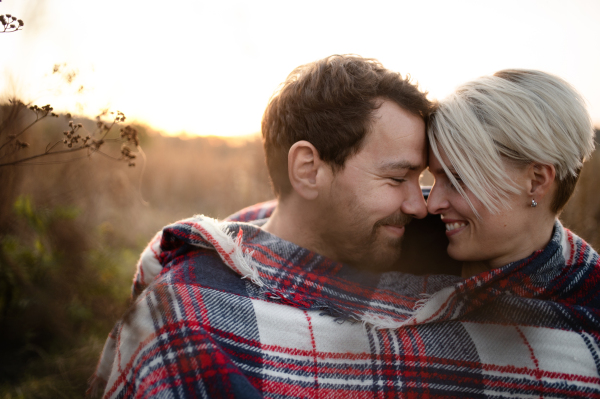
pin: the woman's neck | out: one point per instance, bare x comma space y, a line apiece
470, 269
533, 241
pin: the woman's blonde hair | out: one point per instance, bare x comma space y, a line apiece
518, 115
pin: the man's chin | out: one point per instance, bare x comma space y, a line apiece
384, 265
383, 257
388, 252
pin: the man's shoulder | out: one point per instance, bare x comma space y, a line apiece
198, 251
195, 266
254, 212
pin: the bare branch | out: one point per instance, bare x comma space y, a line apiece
53, 162
18, 161
13, 137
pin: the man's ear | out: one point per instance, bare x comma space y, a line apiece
305, 169
541, 178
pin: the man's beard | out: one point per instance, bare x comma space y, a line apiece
383, 253
371, 251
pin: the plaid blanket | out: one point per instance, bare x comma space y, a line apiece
224, 309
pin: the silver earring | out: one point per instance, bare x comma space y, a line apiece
533, 203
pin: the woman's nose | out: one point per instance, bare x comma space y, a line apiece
436, 202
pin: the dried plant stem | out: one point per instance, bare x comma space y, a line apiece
11, 139
18, 161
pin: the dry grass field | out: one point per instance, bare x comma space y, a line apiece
70, 235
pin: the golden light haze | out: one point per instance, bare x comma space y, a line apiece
209, 68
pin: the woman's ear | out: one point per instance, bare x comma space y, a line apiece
305, 169
541, 178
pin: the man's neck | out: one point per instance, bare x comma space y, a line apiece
294, 221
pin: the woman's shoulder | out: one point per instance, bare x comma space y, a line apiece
575, 250
578, 270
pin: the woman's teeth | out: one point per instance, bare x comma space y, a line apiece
454, 226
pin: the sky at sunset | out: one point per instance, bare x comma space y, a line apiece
209, 68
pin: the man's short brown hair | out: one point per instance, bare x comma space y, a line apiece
330, 103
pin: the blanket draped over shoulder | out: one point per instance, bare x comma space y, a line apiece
224, 309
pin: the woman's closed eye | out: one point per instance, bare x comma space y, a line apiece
458, 181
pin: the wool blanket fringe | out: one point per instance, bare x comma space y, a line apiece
219, 236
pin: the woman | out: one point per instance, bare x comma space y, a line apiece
506, 152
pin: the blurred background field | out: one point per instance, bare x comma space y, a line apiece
71, 233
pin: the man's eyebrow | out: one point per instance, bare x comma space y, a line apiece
390, 166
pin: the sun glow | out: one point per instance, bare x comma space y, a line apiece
209, 68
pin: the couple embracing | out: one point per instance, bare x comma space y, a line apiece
313, 295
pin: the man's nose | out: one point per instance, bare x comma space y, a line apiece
436, 203
415, 204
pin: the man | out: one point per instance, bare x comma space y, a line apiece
345, 145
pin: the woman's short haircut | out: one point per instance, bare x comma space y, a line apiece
523, 116
330, 103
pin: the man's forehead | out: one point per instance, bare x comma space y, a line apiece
396, 140
403, 153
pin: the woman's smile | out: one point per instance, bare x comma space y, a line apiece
454, 226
